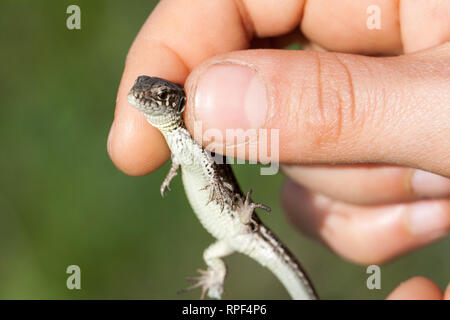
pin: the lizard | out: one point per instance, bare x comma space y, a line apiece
215, 196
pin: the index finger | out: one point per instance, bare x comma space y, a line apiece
177, 36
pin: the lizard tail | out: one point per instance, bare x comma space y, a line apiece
284, 265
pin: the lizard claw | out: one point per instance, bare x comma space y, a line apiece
164, 188
248, 202
211, 197
170, 175
220, 193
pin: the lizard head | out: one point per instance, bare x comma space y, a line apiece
161, 101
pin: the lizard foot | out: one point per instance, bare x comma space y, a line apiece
246, 207
220, 192
211, 283
164, 187
170, 175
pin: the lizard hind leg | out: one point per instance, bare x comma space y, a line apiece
211, 280
219, 192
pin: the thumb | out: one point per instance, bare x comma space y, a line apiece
329, 107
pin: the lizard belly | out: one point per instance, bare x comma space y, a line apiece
221, 224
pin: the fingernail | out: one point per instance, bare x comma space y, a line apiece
426, 184
230, 96
429, 219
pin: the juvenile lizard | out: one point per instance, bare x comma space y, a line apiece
215, 196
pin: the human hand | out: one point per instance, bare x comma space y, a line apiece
330, 108
419, 288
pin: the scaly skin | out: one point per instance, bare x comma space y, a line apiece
215, 196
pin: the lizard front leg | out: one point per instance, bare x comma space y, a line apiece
246, 206
170, 175
211, 280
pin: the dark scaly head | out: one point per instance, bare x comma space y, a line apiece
161, 101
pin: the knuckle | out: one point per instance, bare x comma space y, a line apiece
333, 117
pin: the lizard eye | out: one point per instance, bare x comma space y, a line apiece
163, 95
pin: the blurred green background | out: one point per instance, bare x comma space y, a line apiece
63, 202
